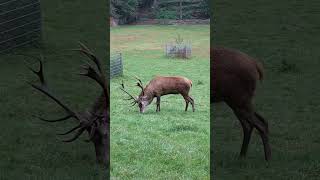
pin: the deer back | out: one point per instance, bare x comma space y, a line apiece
161, 85
234, 74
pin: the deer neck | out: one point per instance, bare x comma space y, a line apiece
149, 94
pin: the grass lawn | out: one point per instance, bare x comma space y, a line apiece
29, 148
284, 35
172, 144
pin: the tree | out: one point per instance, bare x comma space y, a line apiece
124, 10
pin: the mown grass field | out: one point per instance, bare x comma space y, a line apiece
284, 35
29, 148
171, 144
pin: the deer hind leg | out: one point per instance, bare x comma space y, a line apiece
249, 119
192, 103
187, 104
186, 99
262, 126
247, 130
158, 104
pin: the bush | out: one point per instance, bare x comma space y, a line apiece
166, 14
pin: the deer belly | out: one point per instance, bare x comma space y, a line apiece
170, 92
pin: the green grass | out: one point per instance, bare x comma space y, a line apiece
171, 144
30, 149
284, 36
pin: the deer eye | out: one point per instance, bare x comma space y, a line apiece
140, 105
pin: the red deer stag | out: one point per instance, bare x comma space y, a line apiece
234, 76
95, 120
160, 86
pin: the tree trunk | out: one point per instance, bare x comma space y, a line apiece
180, 9
155, 4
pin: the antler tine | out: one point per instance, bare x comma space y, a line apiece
138, 80
85, 50
55, 120
84, 126
98, 76
44, 89
91, 134
131, 97
40, 72
71, 130
80, 131
139, 84
122, 85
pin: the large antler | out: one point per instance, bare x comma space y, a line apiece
96, 120
98, 76
70, 114
139, 84
131, 97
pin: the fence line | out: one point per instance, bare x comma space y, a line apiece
20, 23
178, 50
116, 65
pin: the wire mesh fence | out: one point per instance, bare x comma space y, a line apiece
20, 23
178, 50
116, 65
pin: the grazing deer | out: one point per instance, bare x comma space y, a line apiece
95, 120
160, 86
234, 76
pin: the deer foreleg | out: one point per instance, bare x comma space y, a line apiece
192, 103
158, 104
187, 104
247, 131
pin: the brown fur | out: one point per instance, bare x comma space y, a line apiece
234, 76
162, 85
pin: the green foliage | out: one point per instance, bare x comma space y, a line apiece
127, 10
179, 39
166, 14
124, 10
190, 8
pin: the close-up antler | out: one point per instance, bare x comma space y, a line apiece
43, 87
95, 120
98, 76
131, 97
139, 84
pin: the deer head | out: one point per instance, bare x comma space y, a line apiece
142, 100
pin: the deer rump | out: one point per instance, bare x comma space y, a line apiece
234, 76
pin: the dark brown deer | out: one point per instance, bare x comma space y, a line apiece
95, 120
160, 86
234, 76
